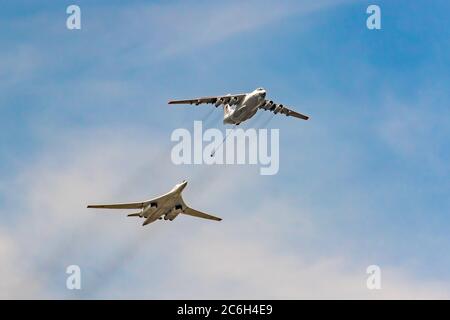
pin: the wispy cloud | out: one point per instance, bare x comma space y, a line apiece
91, 103
200, 259
413, 131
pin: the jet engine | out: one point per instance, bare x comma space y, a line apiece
233, 101
218, 102
172, 214
267, 105
145, 212
278, 108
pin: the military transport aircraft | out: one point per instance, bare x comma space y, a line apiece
240, 107
167, 206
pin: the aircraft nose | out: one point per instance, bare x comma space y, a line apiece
183, 184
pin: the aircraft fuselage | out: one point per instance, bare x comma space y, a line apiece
245, 109
170, 208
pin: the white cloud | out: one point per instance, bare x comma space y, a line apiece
245, 268
201, 26
17, 281
254, 252
247, 255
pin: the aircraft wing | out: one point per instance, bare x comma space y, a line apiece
279, 108
218, 100
198, 214
130, 205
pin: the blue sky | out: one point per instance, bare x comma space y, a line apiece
365, 181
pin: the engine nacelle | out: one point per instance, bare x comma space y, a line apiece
172, 214
278, 108
233, 101
218, 102
148, 209
268, 105
226, 100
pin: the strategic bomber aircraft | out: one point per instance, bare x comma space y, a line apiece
167, 206
240, 107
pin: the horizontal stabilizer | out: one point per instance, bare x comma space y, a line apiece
137, 214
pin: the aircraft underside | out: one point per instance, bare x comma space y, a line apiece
240, 115
154, 213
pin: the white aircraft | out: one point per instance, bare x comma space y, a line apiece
169, 206
240, 107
